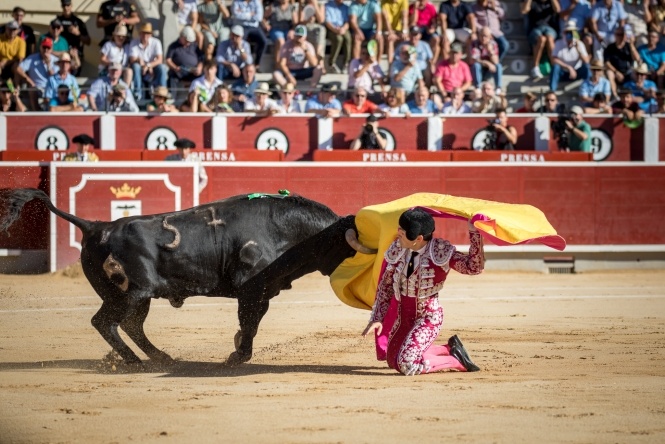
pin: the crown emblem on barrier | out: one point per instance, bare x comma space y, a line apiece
125, 191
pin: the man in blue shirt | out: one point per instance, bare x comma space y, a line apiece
606, 17
424, 54
337, 24
404, 72
366, 22
233, 55
643, 89
62, 77
324, 104
653, 54
596, 84
421, 103
249, 15
36, 69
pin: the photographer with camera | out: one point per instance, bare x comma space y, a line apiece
369, 137
500, 135
572, 132
118, 100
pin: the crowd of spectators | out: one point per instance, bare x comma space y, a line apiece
445, 59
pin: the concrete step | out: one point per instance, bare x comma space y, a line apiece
518, 45
513, 28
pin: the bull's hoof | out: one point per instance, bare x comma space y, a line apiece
236, 358
162, 358
114, 358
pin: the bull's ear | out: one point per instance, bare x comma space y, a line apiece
250, 253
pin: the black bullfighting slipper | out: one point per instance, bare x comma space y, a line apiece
458, 352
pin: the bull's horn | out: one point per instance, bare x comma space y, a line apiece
356, 245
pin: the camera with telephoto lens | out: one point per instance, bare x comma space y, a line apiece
368, 128
561, 130
490, 135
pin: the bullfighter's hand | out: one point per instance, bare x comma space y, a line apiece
377, 326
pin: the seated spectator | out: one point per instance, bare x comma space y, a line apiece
359, 103
551, 104
298, 61
211, 16
116, 50
653, 54
660, 104
146, 57
456, 105
233, 54
63, 100
62, 77
222, 102
84, 143
202, 89
369, 138
113, 13
60, 44
10, 101
595, 84
312, 16
246, 85
452, 73
286, 103
404, 72
488, 14
620, 57
654, 15
75, 31
338, 34
395, 24
366, 22
643, 89
279, 20
626, 106
249, 15
12, 51
35, 71
484, 60
528, 104
542, 17
365, 71
25, 32
187, 14
324, 104
506, 135
421, 103
395, 103
578, 11
101, 91
570, 59
458, 23
262, 104
423, 14
159, 103
489, 101
599, 105
606, 17
424, 59
184, 58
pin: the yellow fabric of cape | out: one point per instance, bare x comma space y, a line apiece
356, 279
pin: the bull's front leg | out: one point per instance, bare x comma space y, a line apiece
250, 313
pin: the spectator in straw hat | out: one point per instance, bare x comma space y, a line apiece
159, 104
597, 83
62, 77
262, 104
116, 50
643, 89
146, 57
287, 102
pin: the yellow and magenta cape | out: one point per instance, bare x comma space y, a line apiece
355, 280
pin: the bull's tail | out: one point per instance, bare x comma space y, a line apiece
12, 201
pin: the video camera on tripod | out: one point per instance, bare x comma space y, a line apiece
561, 131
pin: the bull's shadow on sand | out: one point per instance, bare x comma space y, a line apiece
194, 369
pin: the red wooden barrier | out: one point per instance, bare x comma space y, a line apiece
341, 155
401, 134
47, 156
48, 131
519, 156
297, 137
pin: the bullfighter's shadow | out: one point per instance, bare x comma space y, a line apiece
196, 369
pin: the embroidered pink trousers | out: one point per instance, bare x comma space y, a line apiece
407, 337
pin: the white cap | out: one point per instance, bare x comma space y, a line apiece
188, 34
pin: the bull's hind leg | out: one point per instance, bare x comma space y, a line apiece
133, 326
106, 321
250, 313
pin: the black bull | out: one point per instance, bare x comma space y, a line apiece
247, 249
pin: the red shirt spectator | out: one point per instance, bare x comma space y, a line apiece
453, 73
359, 104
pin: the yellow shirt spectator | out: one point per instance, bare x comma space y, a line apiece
395, 11
11, 47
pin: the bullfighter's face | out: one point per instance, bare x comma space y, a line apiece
404, 241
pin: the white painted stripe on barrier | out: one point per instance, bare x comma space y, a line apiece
3, 132
107, 129
9, 252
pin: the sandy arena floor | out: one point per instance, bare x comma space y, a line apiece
564, 358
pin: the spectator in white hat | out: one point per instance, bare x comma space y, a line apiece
147, 61
262, 104
287, 101
116, 50
233, 55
